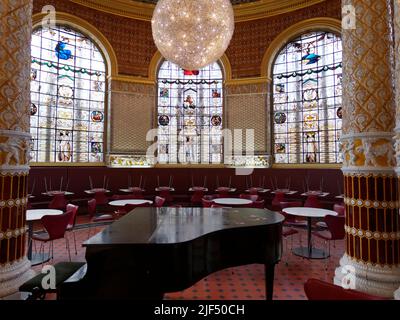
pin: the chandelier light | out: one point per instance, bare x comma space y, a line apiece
193, 33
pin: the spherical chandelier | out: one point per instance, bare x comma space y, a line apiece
193, 33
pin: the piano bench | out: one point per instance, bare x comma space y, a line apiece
63, 271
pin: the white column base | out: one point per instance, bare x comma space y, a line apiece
12, 276
375, 280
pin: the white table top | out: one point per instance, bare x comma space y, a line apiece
164, 189
285, 191
130, 190
260, 190
97, 190
309, 212
37, 214
232, 201
51, 193
202, 189
315, 193
121, 203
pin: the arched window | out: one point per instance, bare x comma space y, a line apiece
190, 105
307, 98
68, 82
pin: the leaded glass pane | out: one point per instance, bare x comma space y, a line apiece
307, 89
68, 76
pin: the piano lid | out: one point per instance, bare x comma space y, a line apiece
177, 225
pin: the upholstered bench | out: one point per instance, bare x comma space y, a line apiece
63, 271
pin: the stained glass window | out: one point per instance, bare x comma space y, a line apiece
190, 105
307, 99
68, 80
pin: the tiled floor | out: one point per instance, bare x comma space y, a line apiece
243, 283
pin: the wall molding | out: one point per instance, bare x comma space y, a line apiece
243, 12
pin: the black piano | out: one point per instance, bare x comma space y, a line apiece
153, 251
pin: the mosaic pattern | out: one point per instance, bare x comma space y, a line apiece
68, 83
233, 1
190, 105
307, 97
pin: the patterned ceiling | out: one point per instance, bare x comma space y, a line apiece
233, 1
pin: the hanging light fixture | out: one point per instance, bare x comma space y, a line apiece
193, 33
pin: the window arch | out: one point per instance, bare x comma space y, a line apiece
190, 114
307, 98
68, 84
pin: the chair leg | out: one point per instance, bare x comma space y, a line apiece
69, 251
73, 233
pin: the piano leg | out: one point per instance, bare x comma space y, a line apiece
269, 281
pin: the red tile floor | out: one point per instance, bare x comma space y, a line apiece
240, 283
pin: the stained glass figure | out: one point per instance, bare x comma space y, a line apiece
61, 52
307, 89
68, 91
192, 101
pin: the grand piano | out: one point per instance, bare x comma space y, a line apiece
153, 251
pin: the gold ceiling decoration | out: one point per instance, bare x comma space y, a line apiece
243, 12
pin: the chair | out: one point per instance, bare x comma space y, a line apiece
58, 202
55, 226
259, 204
335, 230
198, 194
313, 202
253, 191
94, 217
339, 208
288, 232
223, 192
100, 197
320, 290
72, 222
137, 193
276, 201
207, 201
252, 197
159, 201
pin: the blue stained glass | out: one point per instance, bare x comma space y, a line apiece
61, 52
311, 58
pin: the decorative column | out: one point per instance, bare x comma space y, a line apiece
15, 37
371, 261
397, 90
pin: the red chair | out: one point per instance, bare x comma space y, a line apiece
313, 202
59, 201
101, 197
253, 191
259, 204
137, 193
55, 226
207, 201
94, 217
339, 208
320, 290
276, 201
223, 192
165, 192
335, 230
72, 222
252, 197
159, 202
291, 220
198, 194
122, 197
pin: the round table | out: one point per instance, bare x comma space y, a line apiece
136, 202
232, 201
35, 215
309, 213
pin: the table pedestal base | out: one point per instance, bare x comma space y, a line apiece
314, 254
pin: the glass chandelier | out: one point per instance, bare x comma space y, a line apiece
193, 33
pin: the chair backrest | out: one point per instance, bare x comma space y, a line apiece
101, 197
320, 290
313, 202
291, 204
252, 197
58, 201
253, 191
336, 226
74, 209
206, 203
339, 208
278, 197
159, 201
92, 208
56, 225
259, 204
